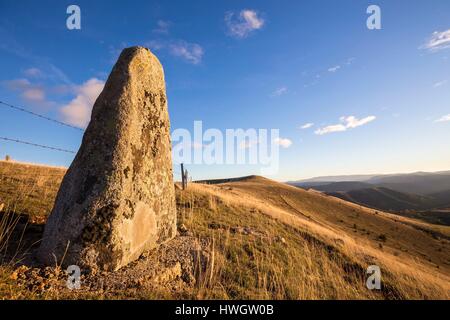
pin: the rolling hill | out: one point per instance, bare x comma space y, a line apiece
254, 238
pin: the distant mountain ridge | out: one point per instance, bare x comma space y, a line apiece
419, 191
371, 178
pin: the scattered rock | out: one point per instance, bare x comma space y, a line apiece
14, 276
184, 230
246, 231
173, 264
339, 242
240, 230
169, 274
117, 198
215, 226
280, 239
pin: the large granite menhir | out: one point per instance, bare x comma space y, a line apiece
117, 198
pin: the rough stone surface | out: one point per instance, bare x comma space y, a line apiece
117, 198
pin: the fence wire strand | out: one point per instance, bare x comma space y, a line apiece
25, 110
37, 145
39, 115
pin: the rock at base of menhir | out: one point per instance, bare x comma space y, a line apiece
117, 198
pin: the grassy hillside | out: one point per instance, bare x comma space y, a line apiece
245, 238
29, 189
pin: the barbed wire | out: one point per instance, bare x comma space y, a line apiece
22, 109
25, 110
37, 145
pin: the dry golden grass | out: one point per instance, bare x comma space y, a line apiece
29, 189
267, 240
324, 260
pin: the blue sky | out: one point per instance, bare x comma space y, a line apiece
378, 101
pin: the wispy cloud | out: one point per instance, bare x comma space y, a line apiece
17, 84
440, 84
279, 92
37, 95
283, 142
438, 41
33, 73
350, 61
243, 24
307, 125
52, 72
78, 111
445, 118
334, 69
191, 52
353, 122
162, 27
317, 76
30, 92
331, 129
346, 124
155, 45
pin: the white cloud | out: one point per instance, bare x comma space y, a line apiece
33, 73
330, 129
28, 91
445, 118
307, 125
162, 27
283, 142
34, 94
334, 69
279, 92
438, 41
353, 122
190, 52
17, 84
78, 111
347, 123
440, 84
240, 26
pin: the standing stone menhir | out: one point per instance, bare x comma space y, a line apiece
117, 198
